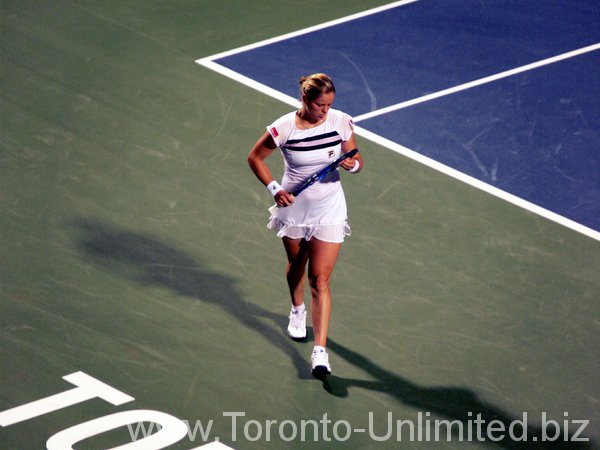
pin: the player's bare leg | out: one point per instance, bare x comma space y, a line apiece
295, 271
322, 259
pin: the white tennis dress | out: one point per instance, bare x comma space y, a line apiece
320, 210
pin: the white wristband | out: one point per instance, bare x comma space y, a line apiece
273, 187
356, 167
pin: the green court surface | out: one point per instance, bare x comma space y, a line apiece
133, 248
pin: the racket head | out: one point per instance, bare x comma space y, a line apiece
325, 171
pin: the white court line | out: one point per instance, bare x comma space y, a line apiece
518, 201
479, 82
321, 26
209, 63
249, 82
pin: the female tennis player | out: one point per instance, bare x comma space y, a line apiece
313, 224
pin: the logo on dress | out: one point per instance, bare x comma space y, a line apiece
274, 132
331, 153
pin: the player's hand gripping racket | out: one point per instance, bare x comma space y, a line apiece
318, 176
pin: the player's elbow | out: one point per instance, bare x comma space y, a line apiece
251, 159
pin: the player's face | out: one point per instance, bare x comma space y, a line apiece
317, 109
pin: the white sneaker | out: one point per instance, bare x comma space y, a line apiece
297, 327
320, 364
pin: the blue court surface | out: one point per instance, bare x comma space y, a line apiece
529, 126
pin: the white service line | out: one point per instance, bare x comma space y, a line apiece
479, 82
436, 165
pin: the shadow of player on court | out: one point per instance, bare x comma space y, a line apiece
149, 261
455, 404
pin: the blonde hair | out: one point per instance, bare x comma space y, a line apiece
316, 84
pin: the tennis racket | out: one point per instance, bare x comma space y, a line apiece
321, 174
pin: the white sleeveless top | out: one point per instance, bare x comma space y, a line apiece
306, 152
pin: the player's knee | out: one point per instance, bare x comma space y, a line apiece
319, 282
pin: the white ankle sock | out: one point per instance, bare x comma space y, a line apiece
297, 309
318, 349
